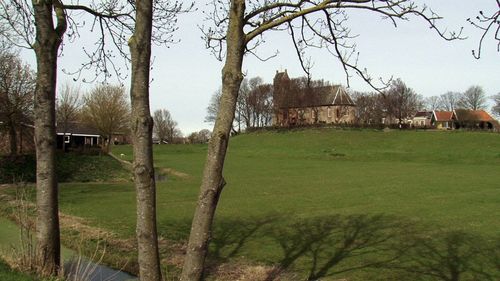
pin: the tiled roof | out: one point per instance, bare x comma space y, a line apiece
443, 115
320, 96
77, 128
426, 114
473, 115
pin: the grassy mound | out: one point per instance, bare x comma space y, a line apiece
332, 204
327, 204
70, 167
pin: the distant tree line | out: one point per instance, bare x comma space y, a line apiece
257, 102
254, 107
474, 98
399, 102
17, 88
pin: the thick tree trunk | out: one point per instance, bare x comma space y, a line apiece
12, 139
142, 131
48, 40
213, 182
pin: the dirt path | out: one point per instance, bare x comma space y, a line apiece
168, 171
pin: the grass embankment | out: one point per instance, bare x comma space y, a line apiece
70, 167
330, 204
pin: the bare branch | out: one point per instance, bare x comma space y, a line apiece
487, 23
310, 29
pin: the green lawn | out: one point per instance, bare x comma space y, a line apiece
7, 274
332, 204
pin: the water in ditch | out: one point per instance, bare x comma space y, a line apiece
84, 269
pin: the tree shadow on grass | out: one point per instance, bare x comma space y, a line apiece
327, 246
331, 245
230, 235
451, 256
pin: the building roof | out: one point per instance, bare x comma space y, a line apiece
77, 128
442, 116
424, 114
281, 75
320, 96
473, 115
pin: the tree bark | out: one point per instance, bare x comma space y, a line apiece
142, 131
47, 42
213, 182
12, 138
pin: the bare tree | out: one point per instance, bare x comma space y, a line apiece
213, 106
496, 105
449, 101
40, 25
433, 103
238, 28
106, 108
369, 107
473, 98
401, 101
68, 107
164, 126
203, 136
260, 102
114, 20
17, 86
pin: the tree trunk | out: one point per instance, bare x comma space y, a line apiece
48, 40
213, 182
65, 127
21, 132
12, 138
142, 131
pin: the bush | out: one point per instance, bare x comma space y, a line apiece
21, 168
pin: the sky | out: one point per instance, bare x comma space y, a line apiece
185, 75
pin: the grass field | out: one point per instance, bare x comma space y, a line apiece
70, 167
331, 204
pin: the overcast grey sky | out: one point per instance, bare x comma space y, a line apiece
186, 74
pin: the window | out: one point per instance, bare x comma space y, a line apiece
329, 112
67, 139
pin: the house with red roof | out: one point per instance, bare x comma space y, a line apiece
463, 119
444, 120
474, 119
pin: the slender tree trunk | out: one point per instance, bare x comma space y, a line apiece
142, 131
12, 138
47, 225
47, 42
213, 182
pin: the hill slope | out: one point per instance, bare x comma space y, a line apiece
361, 205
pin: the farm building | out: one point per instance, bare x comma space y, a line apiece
474, 119
77, 135
422, 119
444, 120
